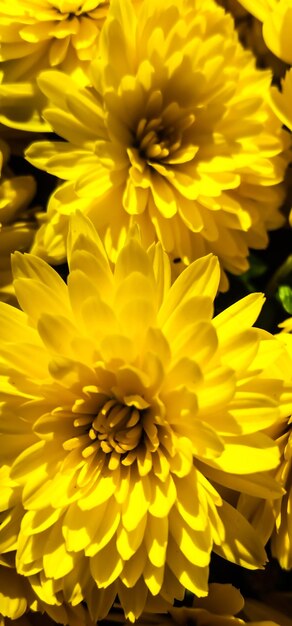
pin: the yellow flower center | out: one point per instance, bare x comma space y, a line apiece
117, 427
121, 430
159, 138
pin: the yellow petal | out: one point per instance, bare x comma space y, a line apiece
242, 545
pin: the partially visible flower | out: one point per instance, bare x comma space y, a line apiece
286, 325
125, 405
17, 221
249, 29
18, 601
39, 34
176, 134
21, 106
36, 35
276, 16
273, 519
281, 100
281, 104
219, 608
14, 591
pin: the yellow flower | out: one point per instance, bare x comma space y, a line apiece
276, 16
281, 100
14, 590
168, 136
124, 405
17, 223
286, 325
281, 104
273, 519
43, 33
17, 598
21, 106
38, 34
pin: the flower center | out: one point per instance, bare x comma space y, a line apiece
160, 134
152, 140
117, 427
118, 430
164, 138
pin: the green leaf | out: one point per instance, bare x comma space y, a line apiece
285, 296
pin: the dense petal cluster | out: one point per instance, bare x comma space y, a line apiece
273, 519
17, 598
124, 406
17, 224
281, 542
156, 139
36, 34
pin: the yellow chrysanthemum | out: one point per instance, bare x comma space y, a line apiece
124, 405
276, 16
16, 222
36, 35
43, 33
273, 519
175, 134
281, 103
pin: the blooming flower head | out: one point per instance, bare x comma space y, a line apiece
124, 406
175, 134
17, 224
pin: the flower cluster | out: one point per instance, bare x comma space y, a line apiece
145, 415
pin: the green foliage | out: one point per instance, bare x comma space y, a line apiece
285, 296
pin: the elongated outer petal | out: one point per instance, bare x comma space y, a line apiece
241, 544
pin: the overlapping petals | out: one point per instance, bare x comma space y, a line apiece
222, 607
276, 16
43, 33
156, 140
38, 34
124, 407
273, 519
